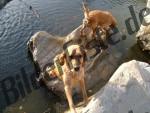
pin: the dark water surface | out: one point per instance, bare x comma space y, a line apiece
58, 17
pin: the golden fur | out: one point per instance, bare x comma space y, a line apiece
72, 77
98, 19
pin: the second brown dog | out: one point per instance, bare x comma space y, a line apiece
74, 76
98, 19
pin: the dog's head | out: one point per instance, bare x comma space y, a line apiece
73, 55
77, 56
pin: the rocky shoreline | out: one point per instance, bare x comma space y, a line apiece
128, 73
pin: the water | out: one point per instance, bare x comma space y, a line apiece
58, 17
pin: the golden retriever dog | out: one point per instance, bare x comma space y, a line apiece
72, 75
98, 19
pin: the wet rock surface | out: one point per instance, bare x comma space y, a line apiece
44, 47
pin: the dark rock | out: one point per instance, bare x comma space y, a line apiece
3, 3
44, 47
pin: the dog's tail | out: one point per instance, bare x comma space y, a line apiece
85, 9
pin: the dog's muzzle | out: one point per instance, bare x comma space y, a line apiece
77, 68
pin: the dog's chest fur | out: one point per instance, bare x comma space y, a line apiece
73, 77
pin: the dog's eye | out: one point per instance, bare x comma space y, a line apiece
71, 57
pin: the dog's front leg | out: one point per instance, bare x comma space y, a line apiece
68, 91
83, 89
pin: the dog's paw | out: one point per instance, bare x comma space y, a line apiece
73, 111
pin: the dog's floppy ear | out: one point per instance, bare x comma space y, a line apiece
66, 44
84, 54
85, 10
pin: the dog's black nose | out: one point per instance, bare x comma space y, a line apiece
76, 68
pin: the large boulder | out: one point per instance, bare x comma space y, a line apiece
128, 91
43, 48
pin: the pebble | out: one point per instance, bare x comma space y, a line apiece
20, 107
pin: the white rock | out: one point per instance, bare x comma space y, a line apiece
128, 91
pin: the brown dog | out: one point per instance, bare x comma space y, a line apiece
72, 77
98, 19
